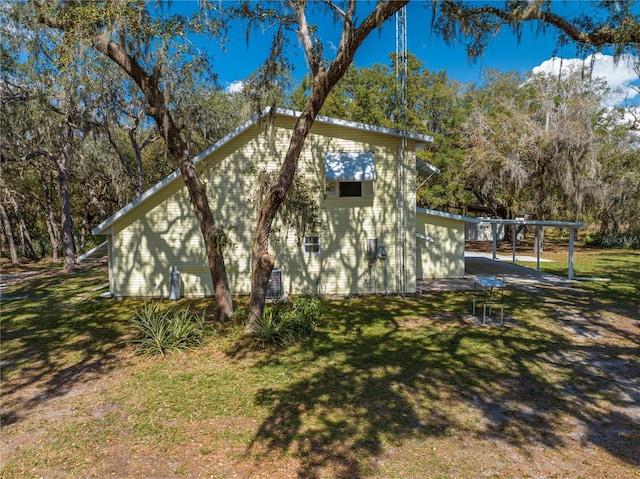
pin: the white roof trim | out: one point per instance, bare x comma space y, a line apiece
500, 221
558, 224
359, 126
451, 216
349, 166
100, 229
426, 168
97, 252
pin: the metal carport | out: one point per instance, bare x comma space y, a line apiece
572, 226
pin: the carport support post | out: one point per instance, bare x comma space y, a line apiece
538, 236
572, 233
513, 235
494, 233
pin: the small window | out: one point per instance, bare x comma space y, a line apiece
349, 174
312, 244
349, 189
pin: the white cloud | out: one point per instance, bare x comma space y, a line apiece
235, 87
618, 75
332, 46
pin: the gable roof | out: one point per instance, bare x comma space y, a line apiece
421, 140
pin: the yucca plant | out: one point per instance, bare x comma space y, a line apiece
270, 331
161, 331
187, 329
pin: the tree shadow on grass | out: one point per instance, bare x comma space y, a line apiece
57, 335
377, 378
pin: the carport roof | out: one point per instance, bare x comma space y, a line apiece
519, 221
444, 214
98, 252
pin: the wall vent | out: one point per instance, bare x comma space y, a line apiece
274, 289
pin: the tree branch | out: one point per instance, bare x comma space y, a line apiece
314, 57
335, 7
601, 36
352, 39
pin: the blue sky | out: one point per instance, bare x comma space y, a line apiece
503, 53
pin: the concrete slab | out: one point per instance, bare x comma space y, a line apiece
480, 265
508, 257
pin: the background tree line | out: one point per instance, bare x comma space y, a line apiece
544, 146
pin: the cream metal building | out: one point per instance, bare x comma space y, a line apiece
440, 242
367, 242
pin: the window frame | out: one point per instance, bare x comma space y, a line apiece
311, 244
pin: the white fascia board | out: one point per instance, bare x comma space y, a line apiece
426, 168
557, 224
359, 126
451, 216
100, 229
97, 252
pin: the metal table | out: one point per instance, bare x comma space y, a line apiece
487, 284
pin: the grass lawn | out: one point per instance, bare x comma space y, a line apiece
387, 387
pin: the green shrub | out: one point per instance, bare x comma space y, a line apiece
608, 240
270, 331
301, 318
283, 325
240, 315
161, 331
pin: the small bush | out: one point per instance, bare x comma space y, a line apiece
609, 240
162, 331
300, 320
240, 315
285, 325
270, 331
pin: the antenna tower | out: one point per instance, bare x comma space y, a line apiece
401, 163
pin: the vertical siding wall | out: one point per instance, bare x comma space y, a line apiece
165, 233
444, 257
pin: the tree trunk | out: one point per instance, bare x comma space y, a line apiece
68, 245
93, 197
537, 244
261, 261
6, 225
27, 243
139, 187
158, 109
503, 212
83, 231
214, 238
324, 79
50, 219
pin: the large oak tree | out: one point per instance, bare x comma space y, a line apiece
141, 45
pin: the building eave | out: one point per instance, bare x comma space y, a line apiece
419, 138
451, 216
